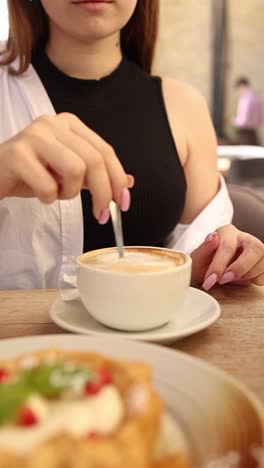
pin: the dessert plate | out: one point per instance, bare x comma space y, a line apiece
221, 420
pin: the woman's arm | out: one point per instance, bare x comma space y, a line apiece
196, 143
226, 255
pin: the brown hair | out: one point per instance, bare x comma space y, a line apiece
29, 29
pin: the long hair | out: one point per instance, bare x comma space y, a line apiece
29, 28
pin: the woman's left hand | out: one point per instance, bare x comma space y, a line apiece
228, 256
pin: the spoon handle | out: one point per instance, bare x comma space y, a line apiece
117, 226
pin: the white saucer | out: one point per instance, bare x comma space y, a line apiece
199, 312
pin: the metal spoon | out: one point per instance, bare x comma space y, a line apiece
117, 226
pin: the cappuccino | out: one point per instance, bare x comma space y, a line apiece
135, 260
144, 290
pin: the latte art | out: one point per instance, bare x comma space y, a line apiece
148, 260
141, 291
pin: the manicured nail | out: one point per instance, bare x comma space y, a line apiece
210, 281
209, 238
104, 217
131, 181
125, 200
227, 277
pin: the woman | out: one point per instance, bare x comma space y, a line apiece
85, 116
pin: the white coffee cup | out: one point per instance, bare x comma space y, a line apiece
141, 292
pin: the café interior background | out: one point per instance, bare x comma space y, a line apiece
185, 49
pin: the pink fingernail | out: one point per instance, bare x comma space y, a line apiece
131, 181
210, 281
209, 238
104, 217
227, 277
125, 200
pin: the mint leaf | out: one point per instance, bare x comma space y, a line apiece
48, 380
51, 380
12, 397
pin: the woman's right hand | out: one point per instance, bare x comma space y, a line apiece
55, 157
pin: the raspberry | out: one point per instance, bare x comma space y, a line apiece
27, 418
93, 435
4, 375
92, 388
105, 377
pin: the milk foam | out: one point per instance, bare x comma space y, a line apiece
133, 261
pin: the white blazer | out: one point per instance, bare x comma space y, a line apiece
39, 243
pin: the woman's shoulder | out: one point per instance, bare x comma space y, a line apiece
189, 116
184, 96
190, 106
2, 46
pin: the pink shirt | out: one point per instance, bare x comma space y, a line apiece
249, 111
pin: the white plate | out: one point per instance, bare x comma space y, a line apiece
199, 312
215, 412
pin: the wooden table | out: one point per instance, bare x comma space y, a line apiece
235, 343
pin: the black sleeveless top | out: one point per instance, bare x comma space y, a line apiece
127, 109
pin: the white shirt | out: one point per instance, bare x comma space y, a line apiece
39, 243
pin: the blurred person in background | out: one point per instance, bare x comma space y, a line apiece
249, 115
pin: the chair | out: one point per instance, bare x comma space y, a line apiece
242, 165
248, 210
248, 172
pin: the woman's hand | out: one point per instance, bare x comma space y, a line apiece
55, 157
228, 256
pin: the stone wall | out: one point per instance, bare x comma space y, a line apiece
184, 50
185, 46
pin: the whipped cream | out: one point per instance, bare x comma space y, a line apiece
102, 414
171, 440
